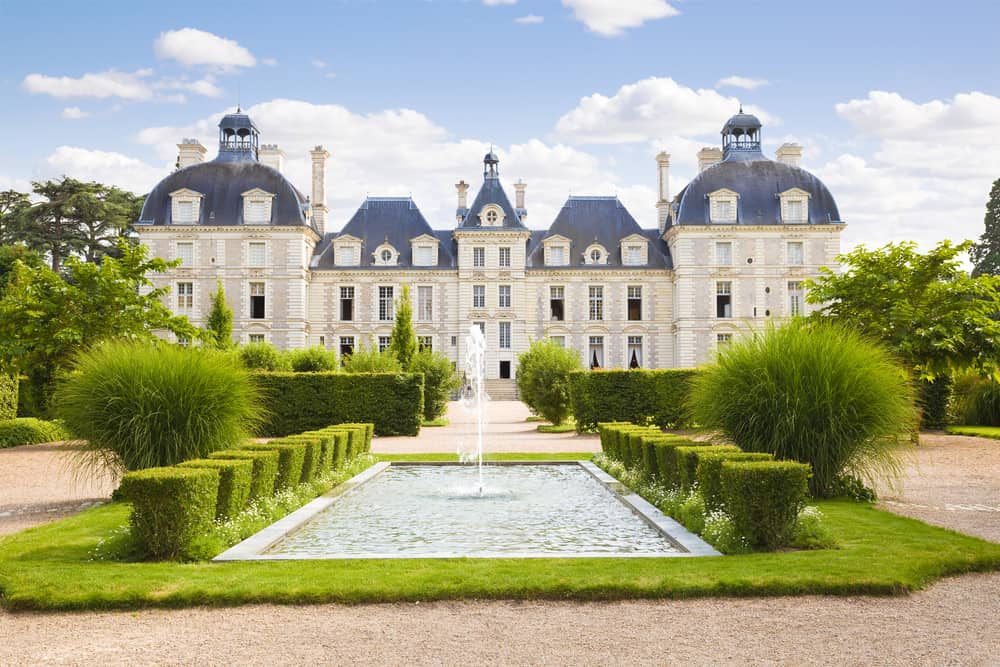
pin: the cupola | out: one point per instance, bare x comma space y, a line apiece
741, 137
491, 165
239, 138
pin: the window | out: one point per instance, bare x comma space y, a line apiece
633, 255
557, 256
257, 211
478, 257
556, 301
425, 343
595, 354
724, 299
795, 298
346, 346
505, 256
558, 340
424, 255
492, 217
185, 253
346, 304
504, 335
322, 341
386, 256
635, 351
479, 296
796, 256
595, 256
255, 338
255, 253
723, 209
186, 211
634, 302
503, 296
724, 253
345, 256
383, 343
256, 301
723, 339
795, 210
596, 302
185, 297
386, 308
425, 303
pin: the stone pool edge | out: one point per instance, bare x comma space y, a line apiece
253, 547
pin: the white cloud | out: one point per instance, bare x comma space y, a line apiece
190, 46
610, 18
744, 82
270, 62
530, 19
205, 86
494, 3
104, 167
74, 113
111, 83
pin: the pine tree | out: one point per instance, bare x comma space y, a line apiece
986, 254
403, 343
220, 320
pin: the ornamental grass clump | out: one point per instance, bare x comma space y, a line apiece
139, 406
816, 393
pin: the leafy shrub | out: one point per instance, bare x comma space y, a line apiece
370, 360
171, 508
710, 469
637, 396
440, 381
30, 431
313, 457
984, 404
543, 378
667, 460
364, 430
815, 393
141, 406
933, 398
235, 479
8, 396
299, 402
607, 432
721, 533
810, 532
262, 357
852, 488
265, 469
311, 360
692, 512
764, 498
688, 458
624, 444
291, 458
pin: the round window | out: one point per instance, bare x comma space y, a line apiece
491, 217
386, 255
595, 255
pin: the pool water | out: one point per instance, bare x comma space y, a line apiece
437, 510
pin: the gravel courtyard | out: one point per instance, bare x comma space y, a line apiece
952, 482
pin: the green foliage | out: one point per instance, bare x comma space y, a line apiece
543, 378
9, 385
10, 255
923, 307
986, 254
262, 357
14, 206
668, 461
219, 326
311, 360
45, 320
688, 458
708, 473
933, 399
235, 477
403, 342
980, 404
764, 499
265, 468
370, 360
811, 392
313, 454
291, 460
976, 431
299, 402
139, 406
811, 531
440, 381
692, 512
171, 508
637, 396
852, 488
30, 431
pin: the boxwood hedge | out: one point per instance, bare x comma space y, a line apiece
265, 468
764, 498
687, 459
291, 458
8, 396
710, 469
637, 396
234, 483
30, 431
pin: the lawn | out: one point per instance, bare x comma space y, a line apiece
51, 567
979, 431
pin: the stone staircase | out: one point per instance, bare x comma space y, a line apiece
501, 390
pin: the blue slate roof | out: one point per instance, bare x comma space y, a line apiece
492, 192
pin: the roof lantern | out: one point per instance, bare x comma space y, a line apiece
239, 138
491, 165
741, 137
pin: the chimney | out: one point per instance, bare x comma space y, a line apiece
790, 154
707, 157
272, 156
190, 152
463, 190
663, 188
318, 199
519, 189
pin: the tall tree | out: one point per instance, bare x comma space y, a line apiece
986, 254
10, 255
219, 326
13, 206
52, 226
108, 220
403, 343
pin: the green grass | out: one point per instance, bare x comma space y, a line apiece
435, 422
565, 427
978, 431
534, 418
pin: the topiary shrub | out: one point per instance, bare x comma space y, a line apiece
440, 381
291, 457
265, 469
171, 508
687, 459
30, 431
709, 473
311, 360
667, 461
636, 396
650, 462
235, 479
606, 430
365, 431
623, 441
312, 462
764, 498
543, 378
8, 396
811, 392
262, 357
141, 406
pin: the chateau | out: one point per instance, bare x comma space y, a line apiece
731, 250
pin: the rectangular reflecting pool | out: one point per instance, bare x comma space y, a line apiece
558, 509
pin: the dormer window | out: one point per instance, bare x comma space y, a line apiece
257, 207
723, 206
491, 216
424, 249
794, 206
386, 255
185, 207
595, 254
556, 250
634, 250
347, 250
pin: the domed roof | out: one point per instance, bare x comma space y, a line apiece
236, 121
491, 157
758, 182
222, 184
741, 123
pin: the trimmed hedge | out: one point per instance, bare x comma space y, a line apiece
667, 459
636, 396
30, 431
650, 460
314, 454
764, 498
291, 458
265, 468
235, 478
607, 434
8, 396
298, 402
687, 459
710, 469
171, 508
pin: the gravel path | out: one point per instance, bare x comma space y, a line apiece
953, 482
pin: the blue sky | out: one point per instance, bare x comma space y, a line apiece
895, 103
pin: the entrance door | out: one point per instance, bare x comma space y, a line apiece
504, 370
